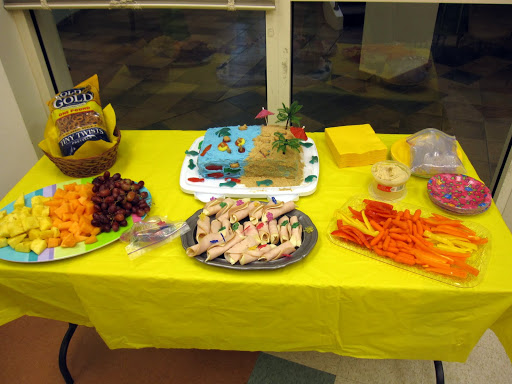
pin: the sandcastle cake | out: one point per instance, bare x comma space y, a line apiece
256, 155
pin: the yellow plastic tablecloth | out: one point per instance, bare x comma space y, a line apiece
333, 300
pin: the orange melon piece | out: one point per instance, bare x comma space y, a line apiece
69, 241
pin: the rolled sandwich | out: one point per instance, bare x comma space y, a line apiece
212, 206
220, 248
203, 226
225, 205
296, 234
252, 239
256, 212
276, 210
274, 231
263, 232
240, 211
276, 253
205, 243
283, 224
251, 255
215, 225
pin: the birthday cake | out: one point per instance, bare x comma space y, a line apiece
256, 155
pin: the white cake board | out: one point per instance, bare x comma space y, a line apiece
209, 188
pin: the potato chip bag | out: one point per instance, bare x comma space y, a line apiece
78, 116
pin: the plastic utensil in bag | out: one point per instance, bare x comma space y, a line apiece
152, 233
434, 152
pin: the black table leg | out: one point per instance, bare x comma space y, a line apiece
438, 365
63, 365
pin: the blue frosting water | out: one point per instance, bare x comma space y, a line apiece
215, 157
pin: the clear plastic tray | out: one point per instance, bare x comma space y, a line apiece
479, 259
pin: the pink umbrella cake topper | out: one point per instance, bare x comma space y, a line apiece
264, 114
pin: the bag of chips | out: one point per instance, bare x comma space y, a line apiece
78, 116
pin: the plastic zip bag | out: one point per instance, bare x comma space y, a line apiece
152, 233
433, 152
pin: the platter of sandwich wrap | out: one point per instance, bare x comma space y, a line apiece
247, 234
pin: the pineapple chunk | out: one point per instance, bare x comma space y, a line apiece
45, 223
20, 202
15, 228
3, 242
36, 200
56, 232
40, 210
2, 214
46, 234
31, 222
37, 210
38, 245
23, 247
34, 234
13, 241
4, 231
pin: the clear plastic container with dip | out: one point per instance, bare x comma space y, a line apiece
389, 179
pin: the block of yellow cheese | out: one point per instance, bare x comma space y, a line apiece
355, 145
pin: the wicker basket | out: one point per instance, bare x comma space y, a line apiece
89, 166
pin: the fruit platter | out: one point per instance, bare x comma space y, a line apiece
442, 248
249, 235
71, 218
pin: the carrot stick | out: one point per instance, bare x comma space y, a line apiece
360, 235
397, 230
449, 231
429, 259
407, 214
468, 268
416, 215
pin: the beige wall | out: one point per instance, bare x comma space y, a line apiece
17, 153
20, 107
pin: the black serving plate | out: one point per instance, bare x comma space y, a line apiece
308, 242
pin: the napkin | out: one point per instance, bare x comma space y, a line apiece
355, 145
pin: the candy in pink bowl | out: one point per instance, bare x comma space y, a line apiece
459, 193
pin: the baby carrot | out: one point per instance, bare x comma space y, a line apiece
386, 243
376, 226
416, 215
407, 214
400, 224
419, 227
377, 238
397, 236
387, 223
405, 259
